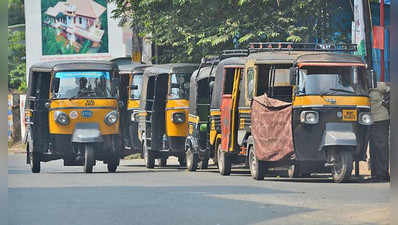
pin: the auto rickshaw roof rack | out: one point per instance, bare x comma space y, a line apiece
209, 60
291, 46
234, 53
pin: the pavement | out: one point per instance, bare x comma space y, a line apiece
172, 195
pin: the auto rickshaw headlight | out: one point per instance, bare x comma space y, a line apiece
365, 118
61, 118
309, 117
178, 117
111, 118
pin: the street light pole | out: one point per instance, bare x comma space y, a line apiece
382, 49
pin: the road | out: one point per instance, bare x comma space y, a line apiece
135, 195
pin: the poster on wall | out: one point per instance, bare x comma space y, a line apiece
74, 27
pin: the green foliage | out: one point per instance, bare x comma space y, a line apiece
16, 12
16, 61
185, 30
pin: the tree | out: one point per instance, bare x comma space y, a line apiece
16, 12
16, 60
188, 29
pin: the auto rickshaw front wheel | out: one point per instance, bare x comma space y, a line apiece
342, 168
148, 157
34, 159
191, 157
224, 162
256, 166
89, 159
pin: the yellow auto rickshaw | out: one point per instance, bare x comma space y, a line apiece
164, 104
72, 114
131, 77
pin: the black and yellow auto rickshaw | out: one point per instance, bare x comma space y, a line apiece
164, 104
197, 142
221, 111
131, 77
72, 114
306, 124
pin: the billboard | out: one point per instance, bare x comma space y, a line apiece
74, 27
74, 30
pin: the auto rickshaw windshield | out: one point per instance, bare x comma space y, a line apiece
81, 84
332, 81
136, 93
179, 86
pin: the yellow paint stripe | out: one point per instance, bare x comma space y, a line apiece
215, 113
340, 100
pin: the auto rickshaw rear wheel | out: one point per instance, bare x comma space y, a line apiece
34, 159
89, 159
162, 162
204, 164
191, 157
148, 157
294, 170
256, 166
113, 164
224, 162
342, 168
182, 160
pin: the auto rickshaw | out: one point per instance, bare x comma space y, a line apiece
197, 143
221, 111
72, 114
131, 77
163, 119
268, 125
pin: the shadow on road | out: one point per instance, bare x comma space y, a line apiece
144, 205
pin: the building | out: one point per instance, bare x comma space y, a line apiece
77, 21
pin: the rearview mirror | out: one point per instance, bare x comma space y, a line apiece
134, 87
292, 75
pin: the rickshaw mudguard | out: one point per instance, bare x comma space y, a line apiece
339, 134
87, 133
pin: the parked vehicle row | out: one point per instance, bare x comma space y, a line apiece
303, 107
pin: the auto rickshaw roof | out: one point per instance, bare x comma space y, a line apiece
329, 58
122, 60
276, 57
204, 73
132, 68
170, 68
74, 65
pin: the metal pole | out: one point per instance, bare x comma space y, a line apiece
382, 50
368, 32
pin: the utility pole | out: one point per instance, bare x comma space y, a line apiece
368, 31
382, 49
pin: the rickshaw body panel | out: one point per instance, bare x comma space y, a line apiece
173, 129
98, 108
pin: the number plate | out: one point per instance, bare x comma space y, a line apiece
87, 114
349, 115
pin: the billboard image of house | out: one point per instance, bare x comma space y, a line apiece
74, 27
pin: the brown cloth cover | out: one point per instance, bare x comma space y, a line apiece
271, 126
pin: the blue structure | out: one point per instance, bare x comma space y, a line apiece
376, 54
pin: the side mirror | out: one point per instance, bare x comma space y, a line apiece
134, 87
372, 83
293, 75
211, 85
47, 105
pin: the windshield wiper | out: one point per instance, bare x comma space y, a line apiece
334, 90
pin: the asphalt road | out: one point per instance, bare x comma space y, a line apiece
135, 195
